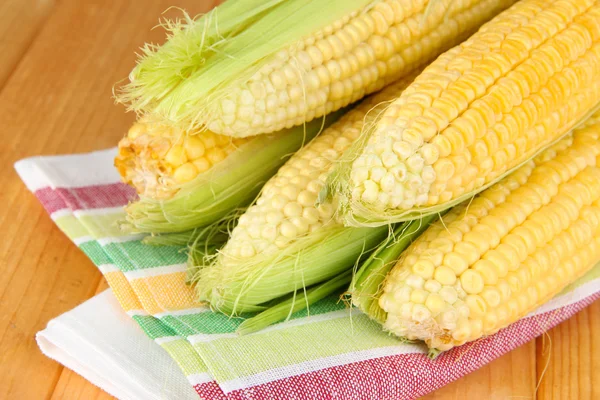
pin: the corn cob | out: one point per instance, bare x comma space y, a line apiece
319, 57
156, 160
495, 259
191, 181
478, 112
285, 241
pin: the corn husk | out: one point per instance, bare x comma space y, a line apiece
310, 260
300, 300
181, 80
368, 281
232, 183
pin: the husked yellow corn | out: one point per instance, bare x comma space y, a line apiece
482, 109
344, 61
156, 160
495, 259
286, 209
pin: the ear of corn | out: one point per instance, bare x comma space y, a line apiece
477, 113
157, 160
254, 66
496, 258
285, 241
366, 284
233, 179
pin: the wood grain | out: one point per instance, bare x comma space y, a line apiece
568, 358
57, 100
20, 21
510, 376
71, 386
57, 70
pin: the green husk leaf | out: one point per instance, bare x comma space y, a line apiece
317, 257
367, 283
196, 255
232, 183
177, 239
182, 239
182, 80
300, 300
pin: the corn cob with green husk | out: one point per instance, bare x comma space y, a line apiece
496, 258
156, 159
478, 112
187, 181
256, 66
284, 242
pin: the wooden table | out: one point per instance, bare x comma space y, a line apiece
58, 62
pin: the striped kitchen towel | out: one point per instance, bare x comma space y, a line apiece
100, 342
334, 352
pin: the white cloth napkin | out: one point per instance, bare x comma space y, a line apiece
100, 342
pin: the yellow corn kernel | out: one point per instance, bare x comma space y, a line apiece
185, 173
445, 275
201, 164
176, 156
194, 148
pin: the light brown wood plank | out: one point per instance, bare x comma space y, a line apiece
568, 358
58, 100
71, 386
511, 376
20, 21
45, 276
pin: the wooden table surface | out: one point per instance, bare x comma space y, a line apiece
58, 62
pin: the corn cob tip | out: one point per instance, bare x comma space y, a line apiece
157, 160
